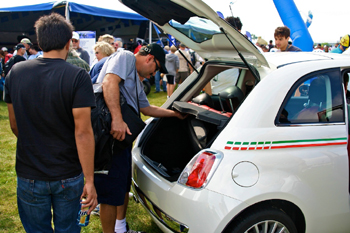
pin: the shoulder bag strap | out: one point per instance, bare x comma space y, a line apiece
137, 96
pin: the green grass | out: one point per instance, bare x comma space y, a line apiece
137, 217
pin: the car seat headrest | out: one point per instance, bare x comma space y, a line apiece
317, 91
204, 99
233, 95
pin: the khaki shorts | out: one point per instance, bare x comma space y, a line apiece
181, 76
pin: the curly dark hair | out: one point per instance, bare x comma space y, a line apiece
235, 22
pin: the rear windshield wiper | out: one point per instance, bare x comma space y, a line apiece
241, 56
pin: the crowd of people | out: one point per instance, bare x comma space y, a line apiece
283, 43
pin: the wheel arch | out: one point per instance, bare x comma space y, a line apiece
287, 207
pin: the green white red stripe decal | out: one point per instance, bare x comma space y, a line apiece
267, 145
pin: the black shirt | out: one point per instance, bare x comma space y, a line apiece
43, 93
18, 58
292, 48
11, 62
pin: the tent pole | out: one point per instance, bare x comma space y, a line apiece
150, 32
67, 11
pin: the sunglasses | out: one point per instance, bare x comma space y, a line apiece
75, 41
157, 67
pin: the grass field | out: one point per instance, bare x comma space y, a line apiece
137, 217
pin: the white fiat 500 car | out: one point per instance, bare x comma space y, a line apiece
264, 146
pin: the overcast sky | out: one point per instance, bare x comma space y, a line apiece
260, 17
330, 18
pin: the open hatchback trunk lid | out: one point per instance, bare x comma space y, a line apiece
195, 24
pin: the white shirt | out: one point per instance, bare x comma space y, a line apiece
183, 63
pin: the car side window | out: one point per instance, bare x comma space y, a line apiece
315, 98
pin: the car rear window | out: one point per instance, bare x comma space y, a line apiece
197, 29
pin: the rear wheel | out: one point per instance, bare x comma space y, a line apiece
263, 220
146, 86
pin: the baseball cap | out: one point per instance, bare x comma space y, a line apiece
345, 40
75, 36
26, 40
158, 52
4, 49
20, 46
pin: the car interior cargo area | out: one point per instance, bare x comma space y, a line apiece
174, 142
209, 105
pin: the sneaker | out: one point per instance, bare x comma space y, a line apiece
128, 230
96, 211
132, 231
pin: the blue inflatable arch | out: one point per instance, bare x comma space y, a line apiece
292, 19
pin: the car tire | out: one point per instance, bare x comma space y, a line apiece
146, 87
263, 220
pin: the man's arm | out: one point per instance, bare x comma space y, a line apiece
85, 142
12, 119
155, 111
111, 95
177, 64
189, 65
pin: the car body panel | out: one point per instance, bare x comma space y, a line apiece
331, 161
278, 59
217, 208
297, 175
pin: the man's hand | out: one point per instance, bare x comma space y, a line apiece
180, 115
89, 192
119, 128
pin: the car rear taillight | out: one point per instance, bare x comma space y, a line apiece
200, 169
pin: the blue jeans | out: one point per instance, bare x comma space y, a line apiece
35, 199
157, 79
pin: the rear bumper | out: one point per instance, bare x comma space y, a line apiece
175, 208
163, 220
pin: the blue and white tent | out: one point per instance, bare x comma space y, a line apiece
109, 17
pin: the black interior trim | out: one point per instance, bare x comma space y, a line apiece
159, 11
200, 113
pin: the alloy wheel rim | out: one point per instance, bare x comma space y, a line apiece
268, 226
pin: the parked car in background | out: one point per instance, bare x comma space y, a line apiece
146, 86
266, 154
